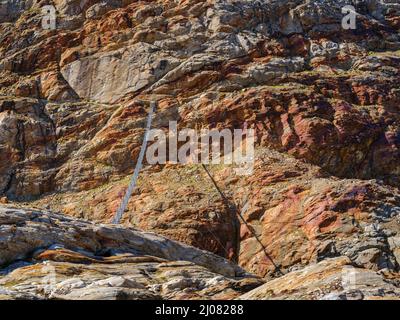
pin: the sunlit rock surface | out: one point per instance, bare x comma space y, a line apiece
324, 102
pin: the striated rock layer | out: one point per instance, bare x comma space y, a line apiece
324, 102
332, 279
49, 255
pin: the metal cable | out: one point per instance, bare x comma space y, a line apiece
132, 185
233, 207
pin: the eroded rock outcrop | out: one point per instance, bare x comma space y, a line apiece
324, 102
332, 279
47, 255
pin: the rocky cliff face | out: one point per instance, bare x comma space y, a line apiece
324, 102
64, 258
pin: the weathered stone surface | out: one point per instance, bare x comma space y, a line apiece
36, 230
60, 257
332, 279
324, 102
108, 77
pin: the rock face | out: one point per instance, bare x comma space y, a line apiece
324, 102
41, 252
332, 279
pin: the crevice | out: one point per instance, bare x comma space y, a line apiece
20, 139
8, 186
